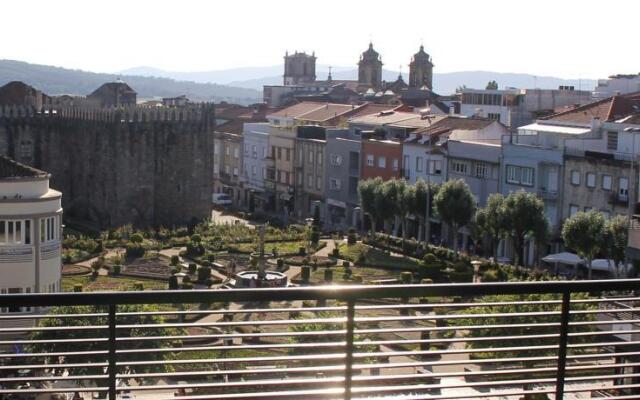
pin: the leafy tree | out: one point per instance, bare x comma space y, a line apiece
455, 205
492, 85
616, 234
491, 221
367, 191
524, 216
419, 206
406, 197
387, 200
50, 344
585, 233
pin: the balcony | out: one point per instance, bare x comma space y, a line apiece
326, 342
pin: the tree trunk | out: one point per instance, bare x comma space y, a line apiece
420, 229
589, 266
454, 227
403, 221
494, 248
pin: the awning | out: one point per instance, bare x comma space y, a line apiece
563, 258
569, 130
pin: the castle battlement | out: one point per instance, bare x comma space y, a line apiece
199, 112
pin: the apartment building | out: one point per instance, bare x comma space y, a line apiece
309, 167
342, 174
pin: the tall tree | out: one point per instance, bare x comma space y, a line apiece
492, 85
616, 235
455, 205
425, 192
584, 232
491, 221
524, 217
368, 191
406, 200
387, 199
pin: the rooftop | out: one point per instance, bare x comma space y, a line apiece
608, 109
10, 169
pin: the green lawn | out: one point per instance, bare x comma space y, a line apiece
282, 247
102, 283
377, 258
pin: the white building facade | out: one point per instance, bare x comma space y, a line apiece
30, 232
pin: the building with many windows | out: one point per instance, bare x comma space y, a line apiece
342, 174
30, 231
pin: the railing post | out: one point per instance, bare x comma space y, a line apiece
112, 352
348, 363
564, 338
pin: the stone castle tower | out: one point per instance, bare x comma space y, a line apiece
299, 68
421, 70
370, 68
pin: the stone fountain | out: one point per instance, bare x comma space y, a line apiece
261, 277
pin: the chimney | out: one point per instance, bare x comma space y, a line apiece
452, 110
595, 123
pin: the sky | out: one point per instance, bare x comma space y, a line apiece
564, 38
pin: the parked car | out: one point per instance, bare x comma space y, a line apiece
221, 199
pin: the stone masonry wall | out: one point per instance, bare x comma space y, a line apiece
112, 173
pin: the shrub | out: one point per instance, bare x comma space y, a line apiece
315, 237
175, 259
280, 263
173, 282
134, 250
206, 263
305, 273
187, 285
274, 251
346, 264
302, 251
116, 269
328, 275
195, 249
406, 277
196, 238
175, 270
192, 268
211, 257
490, 275
351, 236
336, 252
137, 285
426, 281
356, 278
430, 258
204, 273
186, 279
136, 238
77, 287
94, 274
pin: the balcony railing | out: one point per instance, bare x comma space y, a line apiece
453, 341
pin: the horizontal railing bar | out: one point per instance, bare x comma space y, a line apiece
44, 316
228, 311
605, 300
234, 347
53, 378
51, 341
54, 354
338, 292
51, 366
459, 327
612, 322
55, 390
55, 328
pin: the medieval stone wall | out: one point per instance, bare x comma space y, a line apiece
147, 168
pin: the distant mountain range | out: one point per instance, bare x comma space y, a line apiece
240, 85
55, 80
444, 83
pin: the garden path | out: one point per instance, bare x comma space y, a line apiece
110, 253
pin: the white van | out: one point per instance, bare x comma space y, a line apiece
221, 199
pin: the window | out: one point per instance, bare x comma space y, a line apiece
318, 182
288, 154
573, 210
382, 162
575, 177
227, 169
335, 159
587, 209
289, 178
246, 149
216, 149
47, 229
435, 167
494, 116
396, 165
606, 214
520, 175
623, 188
279, 173
482, 170
612, 140
460, 167
591, 179
264, 152
309, 181
419, 164
526, 176
370, 160
606, 182
320, 158
27, 231
253, 170
216, 169
310, 160
235, 171
279, 153
299, 179
334, 184
264, 173
227, 150
254, 151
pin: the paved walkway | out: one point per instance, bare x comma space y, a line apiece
110, 253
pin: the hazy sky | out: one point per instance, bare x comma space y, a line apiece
571, 39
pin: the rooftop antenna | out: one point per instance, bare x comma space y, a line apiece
329, 77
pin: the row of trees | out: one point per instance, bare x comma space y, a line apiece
385, 201
518, 215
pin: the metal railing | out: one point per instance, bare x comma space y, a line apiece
453, 341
